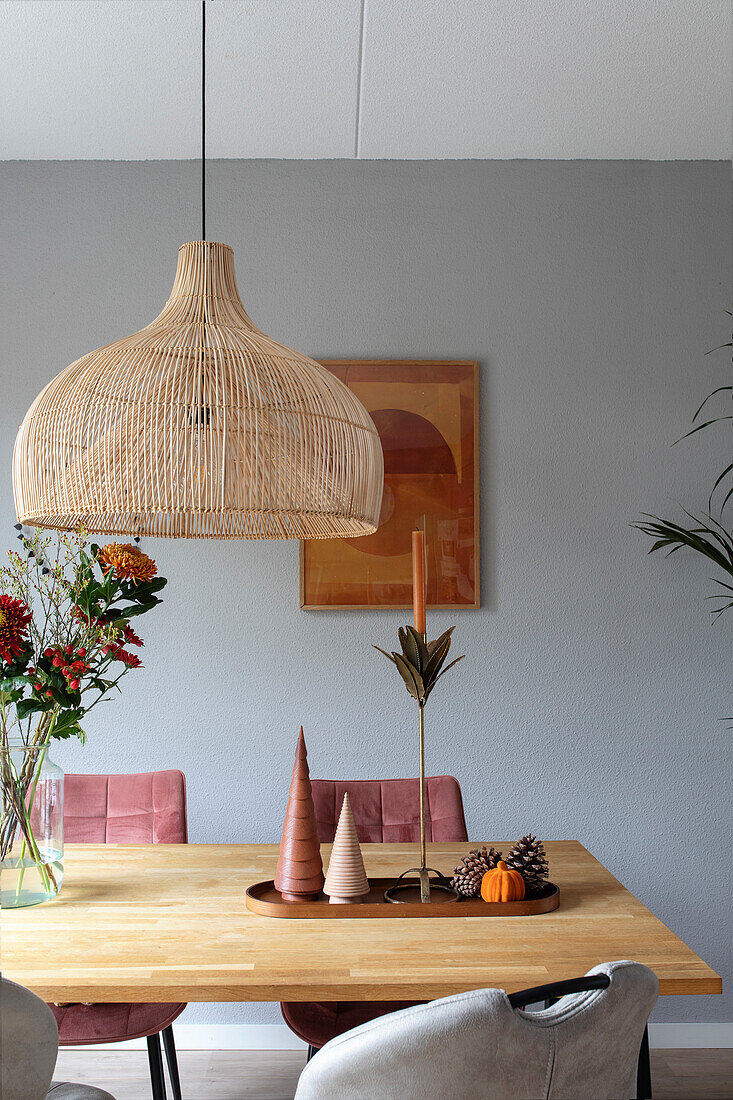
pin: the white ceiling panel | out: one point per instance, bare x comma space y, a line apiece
505, 79
120, 79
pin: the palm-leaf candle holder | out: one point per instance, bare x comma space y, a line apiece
421, 664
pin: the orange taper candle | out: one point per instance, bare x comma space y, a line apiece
418, 580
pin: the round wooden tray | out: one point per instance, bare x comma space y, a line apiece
264, 899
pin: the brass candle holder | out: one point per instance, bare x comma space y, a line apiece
421, 664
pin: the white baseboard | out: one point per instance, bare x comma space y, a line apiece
280, 1037
220, 1037
670, 1036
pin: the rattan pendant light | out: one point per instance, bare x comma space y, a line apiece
199, 426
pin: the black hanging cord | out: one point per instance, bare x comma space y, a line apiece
203, 120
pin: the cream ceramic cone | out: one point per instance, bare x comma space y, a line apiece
346, 880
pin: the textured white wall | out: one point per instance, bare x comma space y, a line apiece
589, 704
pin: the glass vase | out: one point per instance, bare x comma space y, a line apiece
31, 825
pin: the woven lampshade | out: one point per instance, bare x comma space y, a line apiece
199, 426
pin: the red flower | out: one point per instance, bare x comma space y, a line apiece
14, 619
131, 637
130, 659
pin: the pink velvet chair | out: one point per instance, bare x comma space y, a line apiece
149, 808
384, 810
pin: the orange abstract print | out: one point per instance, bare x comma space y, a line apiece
426, 416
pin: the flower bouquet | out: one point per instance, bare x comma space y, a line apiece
65, 643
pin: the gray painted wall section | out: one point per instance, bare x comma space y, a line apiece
590, 701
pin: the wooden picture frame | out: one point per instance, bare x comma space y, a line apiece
432, 483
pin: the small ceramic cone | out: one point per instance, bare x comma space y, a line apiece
299, 873
346, 879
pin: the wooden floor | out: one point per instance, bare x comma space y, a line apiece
273, 1074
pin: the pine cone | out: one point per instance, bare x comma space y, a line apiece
529, 858
468, 875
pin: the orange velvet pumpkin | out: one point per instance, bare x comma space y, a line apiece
502, 884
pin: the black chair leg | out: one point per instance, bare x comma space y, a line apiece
311, 1051
155, 1059
644, 1070
170, 1057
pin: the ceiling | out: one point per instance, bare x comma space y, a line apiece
418, 79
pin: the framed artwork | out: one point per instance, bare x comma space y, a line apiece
426, 413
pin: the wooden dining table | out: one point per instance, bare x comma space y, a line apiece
169, 923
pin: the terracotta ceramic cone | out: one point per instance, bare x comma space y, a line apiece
299, 851
300, 793
300, 871
299, 874
298, 828
346, 880
302, 888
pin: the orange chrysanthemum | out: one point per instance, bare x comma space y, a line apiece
128, 561
14, 619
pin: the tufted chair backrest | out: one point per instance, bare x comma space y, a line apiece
147, 808
388, 810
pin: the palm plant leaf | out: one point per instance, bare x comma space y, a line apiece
715, 420
672, 534
722, 536
709, 539
722, 585
726, 471
699, 428
726, 498
720, 389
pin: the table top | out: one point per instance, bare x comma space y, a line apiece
168, 922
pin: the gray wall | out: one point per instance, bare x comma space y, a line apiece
589, 706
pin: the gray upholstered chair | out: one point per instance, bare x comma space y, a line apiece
29, 1042
479, 1047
